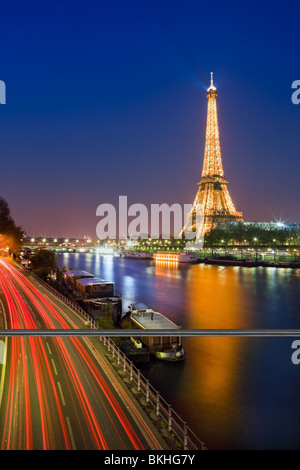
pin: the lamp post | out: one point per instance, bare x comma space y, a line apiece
256, 255
274, 250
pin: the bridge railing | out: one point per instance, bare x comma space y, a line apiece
170, 420
166, 417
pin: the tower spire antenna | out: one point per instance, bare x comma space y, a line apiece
212, 88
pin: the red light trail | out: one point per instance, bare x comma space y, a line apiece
58, 392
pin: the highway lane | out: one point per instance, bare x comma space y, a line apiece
58, 393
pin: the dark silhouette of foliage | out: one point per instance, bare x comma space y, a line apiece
10, 234
44, 259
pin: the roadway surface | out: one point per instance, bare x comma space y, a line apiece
59, 393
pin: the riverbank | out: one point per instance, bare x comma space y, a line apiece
248, 263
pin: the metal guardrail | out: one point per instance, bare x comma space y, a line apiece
116, 333
171, 421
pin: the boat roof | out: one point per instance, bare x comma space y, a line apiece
160, 252
92, 281
138, 305
149, 319
78, 272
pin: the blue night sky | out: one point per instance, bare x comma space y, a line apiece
108, 98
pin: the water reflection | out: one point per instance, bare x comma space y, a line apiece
233, 392
128, 290
107, 267
202, 296
217, 300
167, 269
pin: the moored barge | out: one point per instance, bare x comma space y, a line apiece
167, 348
176, 257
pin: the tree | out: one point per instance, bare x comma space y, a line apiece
44, 262
10, 234
44, 259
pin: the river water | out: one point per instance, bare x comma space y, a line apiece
234, 393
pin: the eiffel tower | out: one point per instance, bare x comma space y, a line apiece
213, 196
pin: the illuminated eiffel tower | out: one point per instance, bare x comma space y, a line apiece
213, 195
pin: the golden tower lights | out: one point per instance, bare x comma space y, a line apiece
213, 194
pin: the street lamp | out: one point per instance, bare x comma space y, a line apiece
256, 254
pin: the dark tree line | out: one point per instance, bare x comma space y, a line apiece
10, 234
254, 235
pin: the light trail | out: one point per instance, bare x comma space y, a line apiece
19, 315
98, 420
93, 425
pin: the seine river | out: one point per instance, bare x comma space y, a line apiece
234, 393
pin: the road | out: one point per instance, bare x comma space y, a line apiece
58, 393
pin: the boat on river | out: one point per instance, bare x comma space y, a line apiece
232, 262
133, 254
176, 257
167, 348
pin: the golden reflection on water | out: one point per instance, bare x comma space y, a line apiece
167, 269
217, 300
